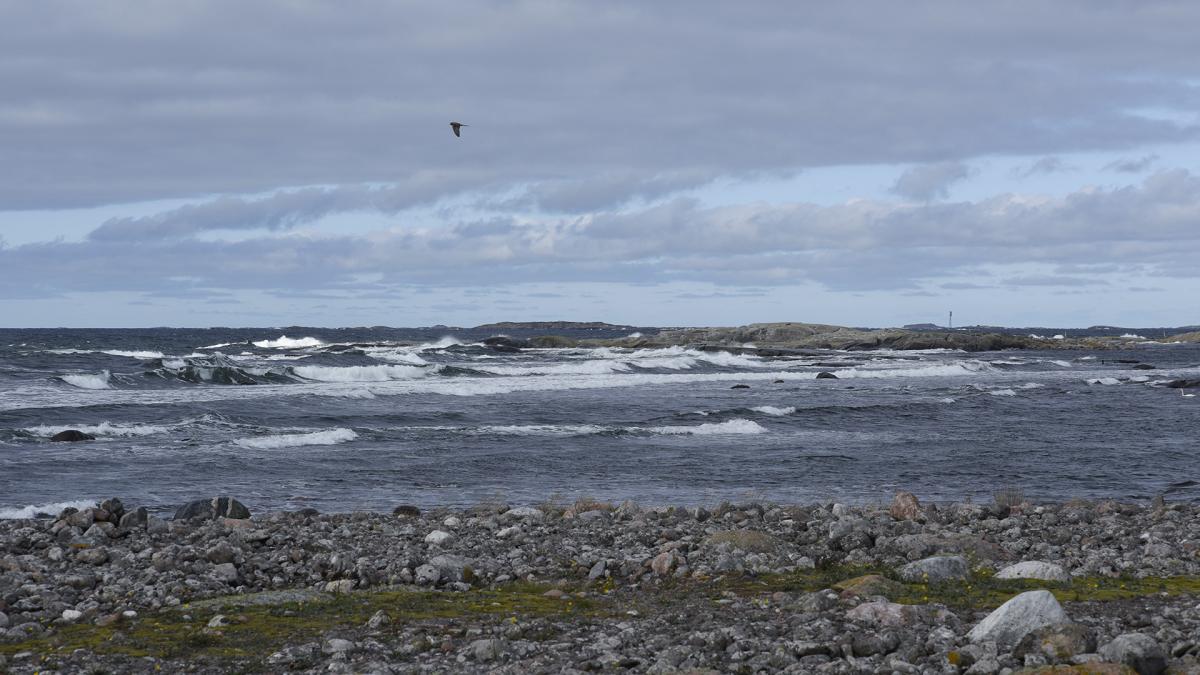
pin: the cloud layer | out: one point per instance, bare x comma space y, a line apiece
132, 100
1150, 229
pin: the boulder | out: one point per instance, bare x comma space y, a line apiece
525, 512
905, 506
1018, 617
407, 511
136, 518
452, 568
1034, 569
935, 570
209, 509
439, 538
1057, 643
71, 436
1138, 651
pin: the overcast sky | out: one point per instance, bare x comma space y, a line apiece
653, 163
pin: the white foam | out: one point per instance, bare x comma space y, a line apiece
1003, 392
220, 345
1064, 364
541, 430
402, 355
359, 373
328, 437
1031, 385
939, 370
285, 342
735, 426
772, 410
53, 509
85, 381
947, 400
597, 367
1139, 378
351, 393
1109, 381
102, 429
134, 355
1133, 336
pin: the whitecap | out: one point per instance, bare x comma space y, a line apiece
359, 373
1031, 385
541, 430
350, 393
735, 426
285, 342
1109, 381
947, 400
1064, 364
134, 354
772, 410
86, 381
402, 355
53, 509
102, 429
328, 437
940, 370
1003, 392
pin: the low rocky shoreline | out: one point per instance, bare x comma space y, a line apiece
1098, 587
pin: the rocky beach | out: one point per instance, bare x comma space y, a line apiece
590, 586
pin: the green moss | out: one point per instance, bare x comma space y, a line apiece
981, 591
256, 631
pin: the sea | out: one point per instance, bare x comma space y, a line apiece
356, 419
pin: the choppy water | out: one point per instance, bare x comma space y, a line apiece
369, 418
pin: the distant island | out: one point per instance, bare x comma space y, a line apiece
784, 336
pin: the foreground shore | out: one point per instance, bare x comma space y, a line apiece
592, 586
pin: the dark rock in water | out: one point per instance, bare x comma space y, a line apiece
309, 511
740, 386
208, 509
1183, 384
1143, 366
504, 343
778, 382
826, 375
407, 511
71, 435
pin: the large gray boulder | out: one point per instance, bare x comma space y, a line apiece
1138, 651
209, 509
1018, 617
937, 569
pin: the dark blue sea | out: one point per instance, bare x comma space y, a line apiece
368, 418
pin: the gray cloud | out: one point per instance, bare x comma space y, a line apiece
931, 180
1132, 164
1152, 228
129, 101
1044, 165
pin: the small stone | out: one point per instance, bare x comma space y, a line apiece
452, 522
1138, 651
525, 512
597, 570
936, 569
378, 620
486, 650
1034, 569
340, 586
554, 594
218, 621
92, 556
338, 646
226, 572
439, 538
71, 615
905, 506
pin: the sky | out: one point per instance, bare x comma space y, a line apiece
874, 163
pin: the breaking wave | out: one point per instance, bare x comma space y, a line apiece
360, 373
774, 411
86, 381
285, 342
328, 437
53, 509
102, 429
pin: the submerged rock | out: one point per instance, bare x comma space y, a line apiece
71, 436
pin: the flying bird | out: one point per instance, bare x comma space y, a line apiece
456, 126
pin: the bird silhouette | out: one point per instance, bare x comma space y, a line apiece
455, 126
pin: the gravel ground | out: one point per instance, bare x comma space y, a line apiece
910, 588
